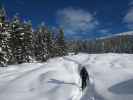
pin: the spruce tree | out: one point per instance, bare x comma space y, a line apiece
21, 41
61, 43
55, 51
28, 42
40, 45
50, 44
4, 38
17, 39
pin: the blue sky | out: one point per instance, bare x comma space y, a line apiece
79, 18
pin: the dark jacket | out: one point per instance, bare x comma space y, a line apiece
84, 76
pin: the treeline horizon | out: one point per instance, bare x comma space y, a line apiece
116, 44
20, 44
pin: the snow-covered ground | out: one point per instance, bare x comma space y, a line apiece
111, 78
55, 80
112, 75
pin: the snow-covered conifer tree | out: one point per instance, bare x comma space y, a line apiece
40, 45
17, 39
28, 42
4, 38
21, 40
61, 45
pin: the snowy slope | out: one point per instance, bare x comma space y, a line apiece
55, 80
112, 75
111, 78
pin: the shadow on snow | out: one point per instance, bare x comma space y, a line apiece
125, 87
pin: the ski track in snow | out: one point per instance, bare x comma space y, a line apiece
43, 82
89, 93
110, 78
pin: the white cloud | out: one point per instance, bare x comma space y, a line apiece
128, 18
130, 3
75, 21
103, 31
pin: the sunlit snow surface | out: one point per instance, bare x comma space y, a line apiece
111, 78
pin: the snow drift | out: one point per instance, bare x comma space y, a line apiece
111, 78
55, 80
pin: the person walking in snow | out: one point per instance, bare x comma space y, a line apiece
84, 77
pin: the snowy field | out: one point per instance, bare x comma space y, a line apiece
111, 78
